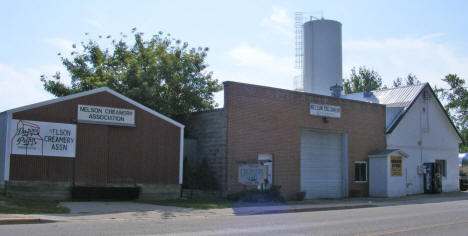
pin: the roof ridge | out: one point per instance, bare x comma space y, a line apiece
406, 86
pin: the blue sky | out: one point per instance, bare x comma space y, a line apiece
249, 41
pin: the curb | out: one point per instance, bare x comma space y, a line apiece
306, 209
21, 220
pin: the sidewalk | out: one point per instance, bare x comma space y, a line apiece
132, 211
18, 219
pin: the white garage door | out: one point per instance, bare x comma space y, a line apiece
321, 165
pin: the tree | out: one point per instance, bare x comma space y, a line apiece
456, 97
409, 80
361, 80
412, 80
397, 83
161, 73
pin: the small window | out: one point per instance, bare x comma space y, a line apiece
442, 167
360, 171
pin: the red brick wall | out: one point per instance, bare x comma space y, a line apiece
268, 120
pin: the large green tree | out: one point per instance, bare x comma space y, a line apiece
161, 73
456, 97
362, 79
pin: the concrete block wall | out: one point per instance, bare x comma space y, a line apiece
38, 190
209, 129
159, 191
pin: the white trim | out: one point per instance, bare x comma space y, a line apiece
181, 157
367, 177
94, 91
6, 173
141, 106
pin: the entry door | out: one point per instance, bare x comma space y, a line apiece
321, 164
91, 162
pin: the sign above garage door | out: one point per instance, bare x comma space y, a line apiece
106, 115
325, 110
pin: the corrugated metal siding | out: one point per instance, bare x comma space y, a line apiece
3, 135
395, 97
147, 153
41, 168
398, 97
92, 155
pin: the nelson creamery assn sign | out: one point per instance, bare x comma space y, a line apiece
38, 138
325, 110
106, 115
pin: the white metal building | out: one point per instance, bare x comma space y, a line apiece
418, 125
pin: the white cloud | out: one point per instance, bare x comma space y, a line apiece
280, 21
94, 22
255, 65
428, 57
20, 87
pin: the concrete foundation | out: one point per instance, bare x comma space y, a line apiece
38, 190
159, 191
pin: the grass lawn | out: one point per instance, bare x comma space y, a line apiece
194, 203
22, 206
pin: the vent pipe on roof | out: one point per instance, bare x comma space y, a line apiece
336, 90
367, 92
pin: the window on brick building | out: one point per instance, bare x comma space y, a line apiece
360, 171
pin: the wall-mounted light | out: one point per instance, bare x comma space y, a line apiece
325, 119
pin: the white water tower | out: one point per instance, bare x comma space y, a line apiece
322, 65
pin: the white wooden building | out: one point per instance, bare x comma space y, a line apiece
417, 124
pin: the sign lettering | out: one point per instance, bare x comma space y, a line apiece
106, 115
325, 110
42, 138
252, 174
396, 166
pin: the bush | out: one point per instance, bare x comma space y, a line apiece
253, 195
203, 178
188, 180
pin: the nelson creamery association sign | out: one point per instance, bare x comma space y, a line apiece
325, 110
38, 138
106, 115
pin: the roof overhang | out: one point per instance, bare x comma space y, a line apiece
94, 91
388, 152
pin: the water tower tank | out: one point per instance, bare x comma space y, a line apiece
322, 56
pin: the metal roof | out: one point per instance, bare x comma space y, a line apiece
386, 152
394, 97
397, 100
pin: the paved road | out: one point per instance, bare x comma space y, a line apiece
443, 218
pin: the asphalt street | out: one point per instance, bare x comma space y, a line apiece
440, 218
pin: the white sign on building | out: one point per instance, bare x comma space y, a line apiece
252, 174
42, 138
325, 110
106, 115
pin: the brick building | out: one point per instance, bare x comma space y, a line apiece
303, 148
